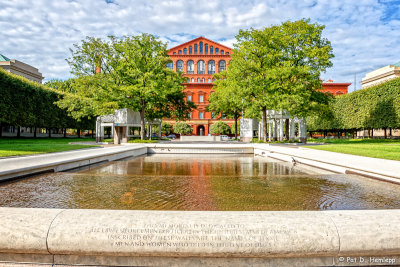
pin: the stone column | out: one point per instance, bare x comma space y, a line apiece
302, 130
275, 130
159, 129
117, 132
280, 129
269, 131
291, 130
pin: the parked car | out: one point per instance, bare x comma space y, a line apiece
171, 136
225, 137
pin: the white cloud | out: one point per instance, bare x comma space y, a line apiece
364, 33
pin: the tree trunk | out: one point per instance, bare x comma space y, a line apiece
18, 131
236, 118
369, 133
92, 133
264, 123
150, 133
372, 133
34, 132
142, 126
1, 129
287, 129
324, 134
390, 132
49, 132
79, 132
385, 134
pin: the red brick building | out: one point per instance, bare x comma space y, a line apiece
199, 59
335, 88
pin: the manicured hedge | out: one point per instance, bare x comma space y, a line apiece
376, 107
29, 104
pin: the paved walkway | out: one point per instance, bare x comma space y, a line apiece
335, 161
51, 160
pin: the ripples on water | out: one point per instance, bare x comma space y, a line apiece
203, 182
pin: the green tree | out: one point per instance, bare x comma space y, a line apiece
227, 98
279, 68
182, 128
133, 75
220, 127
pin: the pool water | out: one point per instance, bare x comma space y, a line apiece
199, 182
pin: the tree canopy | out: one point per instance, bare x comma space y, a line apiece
133, 75
279, 68
182, 128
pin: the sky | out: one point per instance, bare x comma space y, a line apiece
365, 34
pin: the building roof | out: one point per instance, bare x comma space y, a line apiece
198, 39
397, 64
4, 58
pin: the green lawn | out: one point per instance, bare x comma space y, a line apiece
375, 148
27, 146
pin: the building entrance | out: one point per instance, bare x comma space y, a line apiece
200, 130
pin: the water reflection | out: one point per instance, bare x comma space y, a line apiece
203, 182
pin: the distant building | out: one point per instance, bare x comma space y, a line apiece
19, 68
381, 75
199, 59
335, 88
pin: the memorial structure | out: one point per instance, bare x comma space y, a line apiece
120, 122
277, 124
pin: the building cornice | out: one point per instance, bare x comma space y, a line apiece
378, 77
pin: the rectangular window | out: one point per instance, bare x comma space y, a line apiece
200, 115
211, 50
180, 52
201, 99
195, 49
212, 115
216, 51
189, 98
190, 50
206, 49
190, 115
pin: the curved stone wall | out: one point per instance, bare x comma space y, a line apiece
114, 237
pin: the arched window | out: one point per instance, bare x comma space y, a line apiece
179, 66
211, 67
170, 65
222, 52
188, 80
190, 67
209, 80
198, 80
203, 80
192, 80
206, 49
180, 52
201, 67
216, 51
185, 51
227, 53
221, 66
190, 50
211, 50
195, 48
201, 48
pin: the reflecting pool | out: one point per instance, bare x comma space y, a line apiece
199, 182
